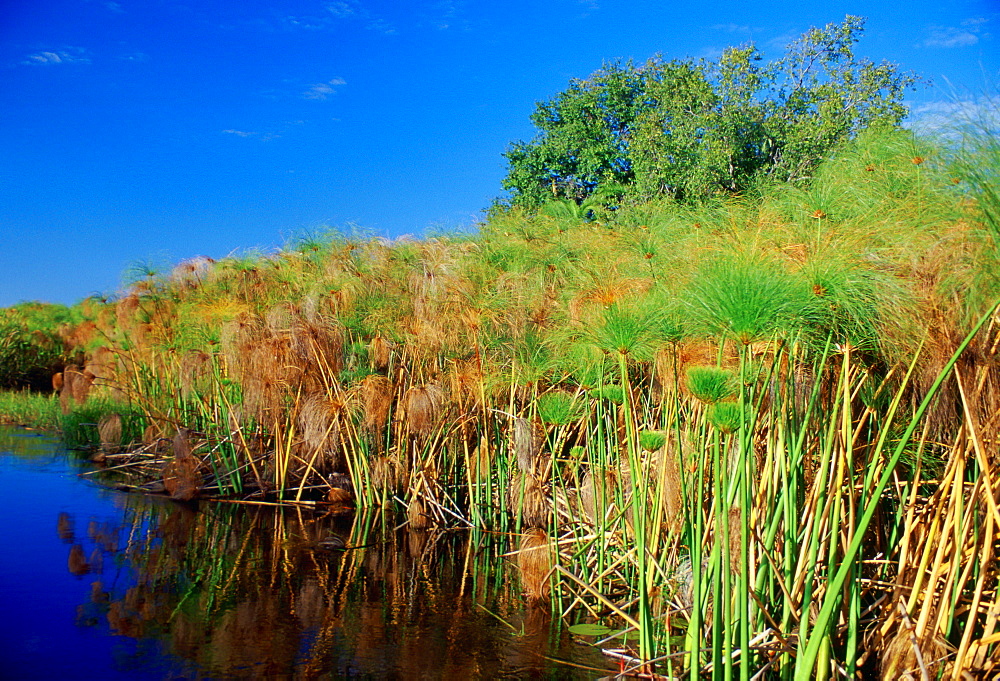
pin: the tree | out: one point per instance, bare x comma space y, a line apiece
584, 138
692, 130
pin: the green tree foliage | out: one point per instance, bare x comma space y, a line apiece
694, 129
584, 138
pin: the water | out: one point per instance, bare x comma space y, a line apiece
101, 584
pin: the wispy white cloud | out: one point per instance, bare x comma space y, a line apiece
69, 55
730, 28
443, 15
341, 10
109, 5
247, 134
968, 33
781, 42
709, 54
272, 132
950, 117
587, 8
381, 26
323, 91
308, 23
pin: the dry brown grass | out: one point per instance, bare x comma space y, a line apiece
534, 564
109, 430
317, 346
103, 363
597, 493
671, 487
75, 388
376, 395
387, 474
465, 384
906, 658
318, 424
421, 408
195, 371
480, 462
526, 497
380, 352
238, 336
528, 440
125, 311
416, 514
182, 476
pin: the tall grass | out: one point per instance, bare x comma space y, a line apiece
25, 408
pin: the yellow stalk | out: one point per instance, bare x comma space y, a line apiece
984, 465
599, 597
984, 561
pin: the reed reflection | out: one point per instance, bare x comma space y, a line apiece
254, 590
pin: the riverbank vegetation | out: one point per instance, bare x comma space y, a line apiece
750, 433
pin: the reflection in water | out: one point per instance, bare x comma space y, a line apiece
259, 591
77, 562
133, 587
64, 526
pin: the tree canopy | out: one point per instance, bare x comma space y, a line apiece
691, 130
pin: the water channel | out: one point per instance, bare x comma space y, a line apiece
101, 584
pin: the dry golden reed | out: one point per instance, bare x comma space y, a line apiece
102, 364
380, 352
526, 498
465, 384
75, 387
376, 394
906, 659
109, 430
734, 540
416, 515
317, 422
480, 462
534, 564
195, 370
317, 346
125, 311
386, 473
421, 408
182, 477
528, 440
671, 488
597, 493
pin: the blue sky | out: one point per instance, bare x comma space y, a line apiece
161, 130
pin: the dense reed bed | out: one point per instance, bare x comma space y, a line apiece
752, 439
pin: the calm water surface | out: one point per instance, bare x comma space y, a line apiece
99, 584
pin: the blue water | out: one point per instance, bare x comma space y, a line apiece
50, 628
161, 590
